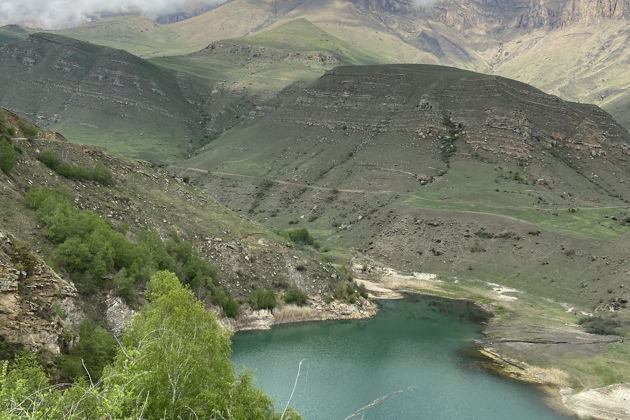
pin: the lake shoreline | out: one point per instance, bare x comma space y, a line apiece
599, 403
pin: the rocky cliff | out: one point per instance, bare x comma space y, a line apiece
38, 309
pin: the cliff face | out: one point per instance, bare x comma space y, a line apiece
505, 15
588, 11
36, 304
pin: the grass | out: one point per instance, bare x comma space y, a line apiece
12, 34
285, 54
301, 36
590, 223
152, 146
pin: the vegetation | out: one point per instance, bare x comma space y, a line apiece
173, 363
295, 295
96, 256
603, 325
7, 155
98, 173
448, 145
95, 349
299, 236
7, 152
28, 129
262, 299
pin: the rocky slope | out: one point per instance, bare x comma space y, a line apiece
40, 308
37, 307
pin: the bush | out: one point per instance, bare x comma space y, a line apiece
7, 155
98, 173
484, 234
262, 299
95, 349
600, 325
28, 129
91, 251
295, 295
299, 236
362, 290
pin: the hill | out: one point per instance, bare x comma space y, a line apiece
488, 174
103, 96
542, 43
263, 64
12, 34
135, 198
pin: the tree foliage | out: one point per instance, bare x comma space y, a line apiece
7, 155
97, 256
173, 364
94, 350
262, 299
98, 173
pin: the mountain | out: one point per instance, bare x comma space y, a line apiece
103, 96
12, 34
442, 170
575, 49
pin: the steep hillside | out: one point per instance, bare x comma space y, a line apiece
102, 96
494, 178
137, 197
12, 34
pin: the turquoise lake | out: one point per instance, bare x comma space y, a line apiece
418, 344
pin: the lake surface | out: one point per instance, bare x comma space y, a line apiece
416, 344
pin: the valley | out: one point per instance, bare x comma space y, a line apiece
275, 162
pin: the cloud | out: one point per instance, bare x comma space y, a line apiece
55, 14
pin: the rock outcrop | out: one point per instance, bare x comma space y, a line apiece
34, 301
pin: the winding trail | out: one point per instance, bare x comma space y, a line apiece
415, 196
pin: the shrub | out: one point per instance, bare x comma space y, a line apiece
98, 173
92, 251
7, 155
95, 349
600, 325
362, 290
28, 129
262, 299
484, 234
295, 295
299, 236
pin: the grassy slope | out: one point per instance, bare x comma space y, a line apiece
145, 196
591, 58
269, 61
12, 34
135, 34
579, 63
375, 176
102, 96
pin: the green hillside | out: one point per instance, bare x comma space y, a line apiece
12, 34
366, 155
102, 96
265, 63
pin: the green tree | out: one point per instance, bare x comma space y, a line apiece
262, 299
94, 350
176, 355
7, 155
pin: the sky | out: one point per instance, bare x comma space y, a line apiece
56, 14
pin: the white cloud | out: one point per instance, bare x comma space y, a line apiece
55, 14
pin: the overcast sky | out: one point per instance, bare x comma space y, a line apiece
55, 14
